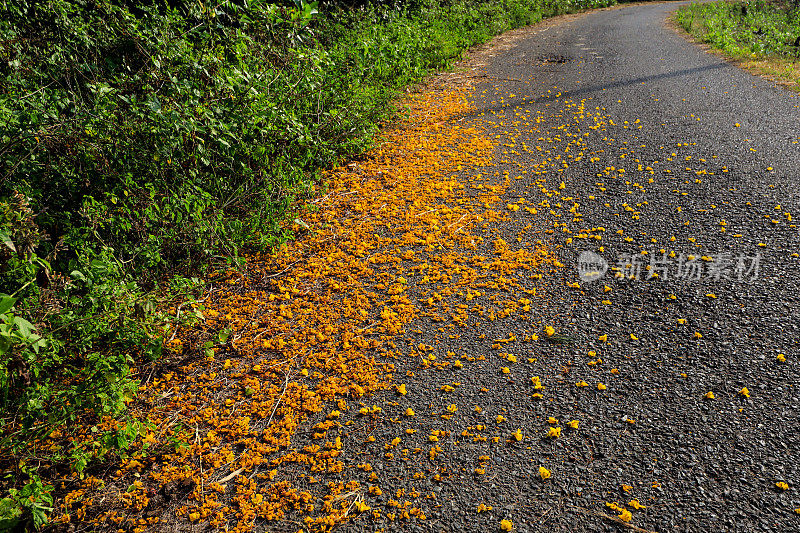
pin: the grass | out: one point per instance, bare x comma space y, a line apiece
761, 37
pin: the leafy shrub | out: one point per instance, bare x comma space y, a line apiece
26, 506
751, 28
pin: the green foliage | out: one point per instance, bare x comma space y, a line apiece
26, 508
752, 28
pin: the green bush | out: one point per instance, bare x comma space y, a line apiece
751, 28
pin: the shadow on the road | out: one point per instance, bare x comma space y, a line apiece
567, 95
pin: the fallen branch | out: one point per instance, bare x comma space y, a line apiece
231, 476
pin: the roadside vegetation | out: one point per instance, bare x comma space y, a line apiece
144, 145
763, 36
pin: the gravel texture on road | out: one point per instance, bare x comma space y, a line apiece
630, 142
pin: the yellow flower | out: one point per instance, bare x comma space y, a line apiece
554, 432
574, 424
500, 418
581, 384
361, 506
505, 370
782, 485
636, 505
401, 389
452, 408
625, 515
603, 337
544, 473
634, 337
517, 435
409, 412
549, 331
744, 392
781, 358
458, 364
601, 386
506, 525
709, 395
698, 335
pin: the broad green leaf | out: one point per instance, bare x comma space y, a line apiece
6, 239
6, 303
24, 326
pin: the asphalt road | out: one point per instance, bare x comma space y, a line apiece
711, 169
